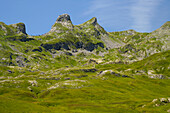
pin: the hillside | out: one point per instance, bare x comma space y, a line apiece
83, 68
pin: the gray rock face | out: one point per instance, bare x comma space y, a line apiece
160, 102
91, 28
2, 27
63, 18
20, 28
62, 21
94, 21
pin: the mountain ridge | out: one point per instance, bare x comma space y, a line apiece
83, 68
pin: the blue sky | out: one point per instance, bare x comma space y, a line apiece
113, 15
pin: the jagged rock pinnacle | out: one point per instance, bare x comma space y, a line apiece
94, 21
63, 18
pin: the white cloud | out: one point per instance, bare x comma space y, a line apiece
96, 6
124, 14
109, 12
142, 13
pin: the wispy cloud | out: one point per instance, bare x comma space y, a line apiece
142, 12
124, 14
110, 13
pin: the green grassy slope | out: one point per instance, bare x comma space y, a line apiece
71, 91
84, 69
111, 95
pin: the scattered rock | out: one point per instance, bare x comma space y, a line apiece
81, 76
157, 76
67, 78
157, 105
42, 73
89, 70
104, 72
164, 100
150, 72
125, 76
168, 110
74, 50
101, 73
155, 100
52, 78
169, 100
117, 74
92, 61
30, 89
68, 53
9, 71
33, 82
48, 83
143, 106
160, 101
113, 72
20, 61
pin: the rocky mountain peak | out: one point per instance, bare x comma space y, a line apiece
62, 21
63, 18
93, 21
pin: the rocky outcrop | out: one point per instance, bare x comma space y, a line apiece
160, 101
67, 45
89, 35
62, 24
63, 18
94, 29
91, 46
56, 46
12, 29
19, 27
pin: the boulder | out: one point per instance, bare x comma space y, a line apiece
164, 100
9, 71
67, 78
101, 73
168, 110
33, 82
